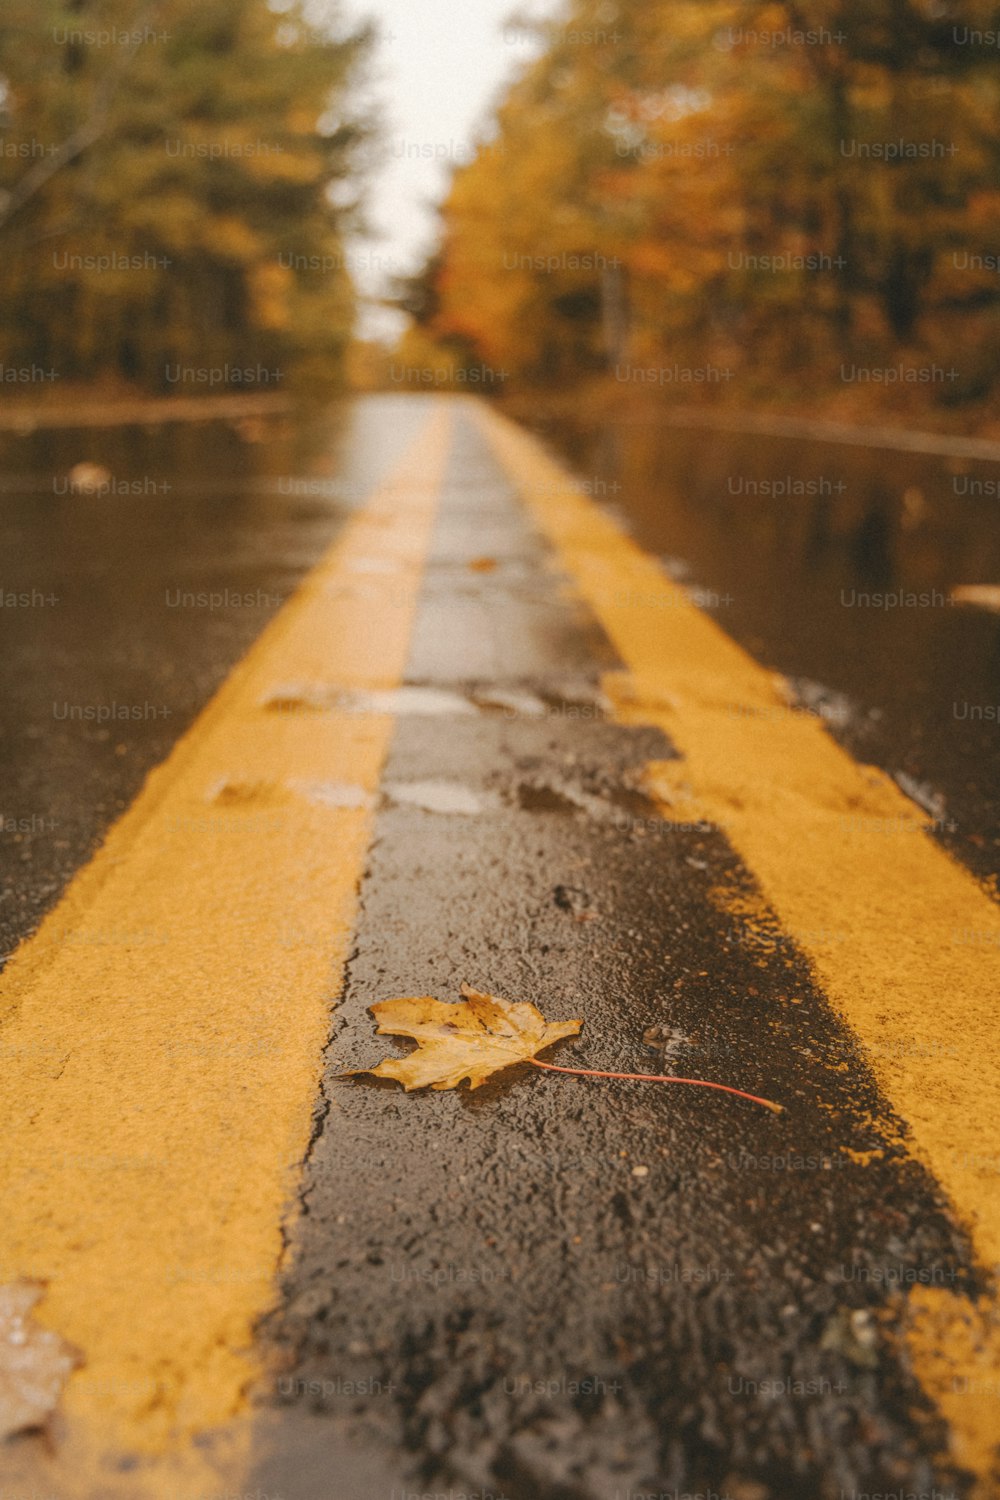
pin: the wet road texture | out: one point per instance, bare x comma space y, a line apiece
557, 1288
553, 1288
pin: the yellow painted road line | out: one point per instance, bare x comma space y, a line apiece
836, 849
161, 1035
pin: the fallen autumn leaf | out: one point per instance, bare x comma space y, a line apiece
471, 1039
477, 1036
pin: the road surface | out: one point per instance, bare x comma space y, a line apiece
487, 740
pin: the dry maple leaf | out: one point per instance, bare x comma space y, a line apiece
35, 1362
471, 1039
482, 1034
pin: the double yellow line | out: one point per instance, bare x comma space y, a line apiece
161, 1036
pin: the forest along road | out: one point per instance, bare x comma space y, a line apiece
489, 741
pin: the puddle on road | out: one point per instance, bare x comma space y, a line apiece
255, 794
409, 699
433, 796
320, 698
510, 701
622, 805
420, 700
449, 797
332, 793
436, 796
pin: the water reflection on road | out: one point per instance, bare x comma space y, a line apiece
834, 565
126, 604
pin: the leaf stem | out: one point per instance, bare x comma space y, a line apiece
701, 1083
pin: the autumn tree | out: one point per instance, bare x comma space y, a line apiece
776, 184
176, 178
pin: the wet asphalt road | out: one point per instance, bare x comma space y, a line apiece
834, 565
563, 1289
553, 1288
121, 617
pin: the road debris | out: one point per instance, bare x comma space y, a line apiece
35, 1362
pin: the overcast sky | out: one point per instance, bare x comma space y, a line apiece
440, 66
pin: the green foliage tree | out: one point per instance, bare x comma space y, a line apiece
176, 179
